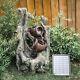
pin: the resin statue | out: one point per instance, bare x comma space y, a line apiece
31, 51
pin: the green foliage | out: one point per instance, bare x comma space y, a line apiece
8, 21
65, 41
7, 52
35, 21
8, 42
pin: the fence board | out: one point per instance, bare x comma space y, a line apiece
18, 4
30, 6
78, 15
63, 8
22, 3
74, 13
70, 12
54, 8
38, 7
47, 9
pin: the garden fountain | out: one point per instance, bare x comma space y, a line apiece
32, 52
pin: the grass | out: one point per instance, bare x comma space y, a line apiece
12, 74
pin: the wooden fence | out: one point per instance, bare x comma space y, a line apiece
50, 9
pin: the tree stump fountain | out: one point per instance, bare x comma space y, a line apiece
33, 49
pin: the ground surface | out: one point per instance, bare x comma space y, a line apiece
12, 74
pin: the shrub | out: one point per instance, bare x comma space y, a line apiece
7, 52
65, 41
8, 22
8, 42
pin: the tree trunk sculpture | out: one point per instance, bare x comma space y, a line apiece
32, 47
